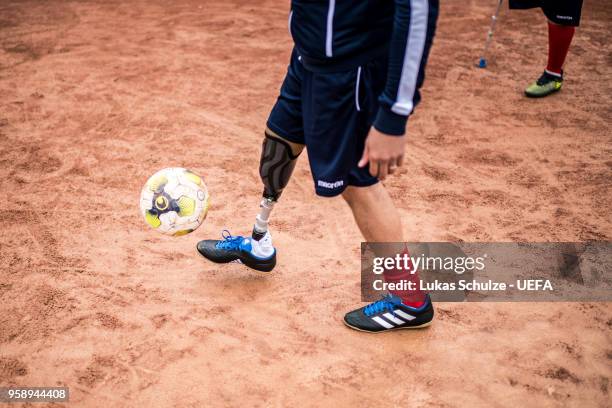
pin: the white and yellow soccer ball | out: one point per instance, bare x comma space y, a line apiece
174, 201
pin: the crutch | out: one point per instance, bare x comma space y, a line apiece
482, 62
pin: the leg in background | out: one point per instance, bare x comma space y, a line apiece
559, 40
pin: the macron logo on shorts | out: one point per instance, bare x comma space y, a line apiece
330, 185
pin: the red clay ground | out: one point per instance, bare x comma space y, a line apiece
95, 96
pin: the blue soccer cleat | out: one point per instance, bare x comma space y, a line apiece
390, 313
257, 254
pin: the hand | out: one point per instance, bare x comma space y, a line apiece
384, 153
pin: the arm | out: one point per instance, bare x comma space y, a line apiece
413, 30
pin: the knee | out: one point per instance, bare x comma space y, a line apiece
360, 196
350, 195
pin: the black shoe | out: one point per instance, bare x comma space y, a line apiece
390, 313
259, 255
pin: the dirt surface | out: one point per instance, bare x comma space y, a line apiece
95, 96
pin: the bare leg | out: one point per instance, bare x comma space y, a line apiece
379, 221
375, 213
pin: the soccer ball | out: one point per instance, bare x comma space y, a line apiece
174, 201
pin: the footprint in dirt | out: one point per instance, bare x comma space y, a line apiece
11, 367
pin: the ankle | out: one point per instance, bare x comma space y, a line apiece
257, 235
556, 73
263, 247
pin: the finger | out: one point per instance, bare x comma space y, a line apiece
374, 168
364, 158
400, 161
383, 169
394, 164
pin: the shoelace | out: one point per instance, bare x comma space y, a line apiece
229, 242
381, 305
545, 78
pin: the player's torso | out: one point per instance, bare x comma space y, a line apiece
339, 29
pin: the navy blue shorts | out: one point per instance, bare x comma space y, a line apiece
562, 12
331, 113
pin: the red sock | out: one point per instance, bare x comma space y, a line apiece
559, 40
412, 298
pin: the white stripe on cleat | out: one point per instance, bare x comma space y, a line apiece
382, 322
404, 315
393, 319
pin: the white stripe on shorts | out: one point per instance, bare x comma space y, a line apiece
329, 36
357, 90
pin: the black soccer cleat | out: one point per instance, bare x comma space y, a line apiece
259, 255
390, 313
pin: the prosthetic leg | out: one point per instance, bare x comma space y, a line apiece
278, 159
